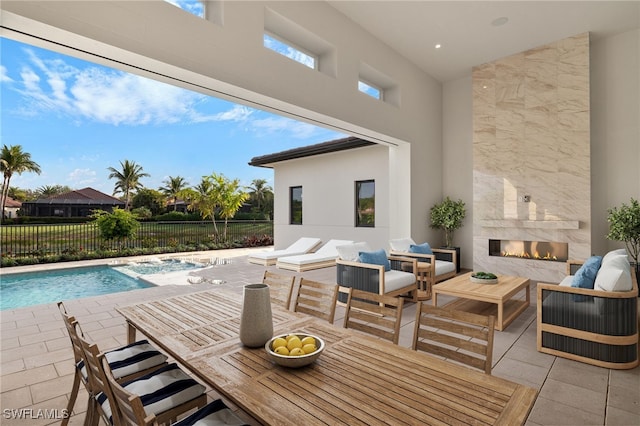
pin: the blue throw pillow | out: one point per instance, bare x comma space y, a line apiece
378, 257
423, 248
585, 276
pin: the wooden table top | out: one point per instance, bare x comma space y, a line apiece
461, 286
357, 380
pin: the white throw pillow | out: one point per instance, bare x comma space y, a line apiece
614, 253
615, 275
401, 244
351, 252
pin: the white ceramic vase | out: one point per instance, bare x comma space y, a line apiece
256, 322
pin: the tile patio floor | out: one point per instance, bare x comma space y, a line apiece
36, 361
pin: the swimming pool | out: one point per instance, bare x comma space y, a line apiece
33, 288
156, 266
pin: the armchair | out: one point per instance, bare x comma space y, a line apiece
373, 277
430, 269
597, 326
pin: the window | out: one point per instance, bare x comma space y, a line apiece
366, 203
289, 51
370, 90
295, 205
194, 7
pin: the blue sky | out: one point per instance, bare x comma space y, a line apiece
77, 118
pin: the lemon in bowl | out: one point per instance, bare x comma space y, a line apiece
294, 350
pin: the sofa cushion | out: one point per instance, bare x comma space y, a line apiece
395, 280
351, 252
615, 275
444, 267
423, 248
378, 257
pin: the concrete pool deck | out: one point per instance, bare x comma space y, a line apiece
36, 361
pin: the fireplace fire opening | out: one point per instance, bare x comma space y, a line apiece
534, 250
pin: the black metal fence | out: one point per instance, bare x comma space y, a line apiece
57, 239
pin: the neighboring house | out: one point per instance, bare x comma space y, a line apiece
11, 208
78, 203
331, 190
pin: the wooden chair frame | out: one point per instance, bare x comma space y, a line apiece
280, 287
317, 299
376, 314
459, 336
425, 268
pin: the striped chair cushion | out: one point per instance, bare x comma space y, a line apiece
130, 359
215, 413
159, 390
133, 358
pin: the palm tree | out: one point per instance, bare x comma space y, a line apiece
260, 191
51, 190
173, 186
14, 160
127, 180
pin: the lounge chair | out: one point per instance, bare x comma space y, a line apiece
302, 246
325, 256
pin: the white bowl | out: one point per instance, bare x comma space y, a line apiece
294, 361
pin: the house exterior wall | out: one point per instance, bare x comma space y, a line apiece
328, 196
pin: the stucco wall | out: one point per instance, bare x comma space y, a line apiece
328, 196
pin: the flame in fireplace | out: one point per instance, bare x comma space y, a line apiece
527, 255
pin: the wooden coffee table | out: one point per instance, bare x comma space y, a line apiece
486, 299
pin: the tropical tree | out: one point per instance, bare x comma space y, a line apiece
47, 191
150, 199
216, 194
172, 187
261, 194
14, 160
127, 179
231, 197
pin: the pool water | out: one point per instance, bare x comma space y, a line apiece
34, 288
156, 267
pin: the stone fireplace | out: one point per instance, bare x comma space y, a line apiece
531, 157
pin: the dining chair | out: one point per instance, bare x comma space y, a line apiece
165, 392
317, 299
132, 409
128, 362
280, 287
374, 313
458, 336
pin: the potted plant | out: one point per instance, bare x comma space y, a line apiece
624, 225
448, 216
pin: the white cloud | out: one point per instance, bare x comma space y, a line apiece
297, 129
81, 177
101, 95
4, 77
237, 113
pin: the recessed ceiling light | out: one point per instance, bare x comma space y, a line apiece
438, 46
498, 22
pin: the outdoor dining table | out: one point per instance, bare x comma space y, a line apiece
357, 380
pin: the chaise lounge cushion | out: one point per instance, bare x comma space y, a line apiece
324, 254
